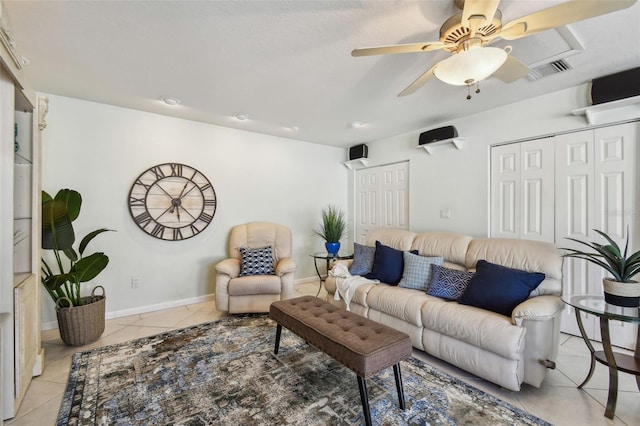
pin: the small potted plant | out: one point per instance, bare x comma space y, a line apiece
332, 228
80, 319
619, 289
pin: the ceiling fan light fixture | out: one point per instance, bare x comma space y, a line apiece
470, 66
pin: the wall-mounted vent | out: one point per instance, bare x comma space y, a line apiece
546, 70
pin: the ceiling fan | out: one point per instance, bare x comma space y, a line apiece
468, 33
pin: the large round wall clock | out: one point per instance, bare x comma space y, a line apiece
172, 201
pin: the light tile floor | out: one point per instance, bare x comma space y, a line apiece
557, 401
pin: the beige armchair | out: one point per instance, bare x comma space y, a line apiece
255, 293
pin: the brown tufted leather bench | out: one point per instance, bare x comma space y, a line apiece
358, 343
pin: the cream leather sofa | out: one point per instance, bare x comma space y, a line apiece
504, 350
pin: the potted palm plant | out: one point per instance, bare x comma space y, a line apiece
619, 288
332, 228
80, 319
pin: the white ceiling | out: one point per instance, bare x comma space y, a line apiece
287, 63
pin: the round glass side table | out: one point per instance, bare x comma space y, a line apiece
595, 305
328, 258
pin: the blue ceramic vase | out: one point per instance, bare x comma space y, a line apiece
332, 248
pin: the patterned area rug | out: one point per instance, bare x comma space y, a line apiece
225, 373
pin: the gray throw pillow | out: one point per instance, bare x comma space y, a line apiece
362, 259
417, 271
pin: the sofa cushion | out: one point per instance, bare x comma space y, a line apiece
401, 303
478, 327
362, 259
256, 261
453, 247
388, 264
526, 255
498, 288
417, 271
255, 285
399, 239
448, 283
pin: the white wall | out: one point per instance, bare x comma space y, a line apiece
458, 179
99, 150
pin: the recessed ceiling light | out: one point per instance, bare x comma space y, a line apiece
357, 124
241, 116
294, 128
170, 100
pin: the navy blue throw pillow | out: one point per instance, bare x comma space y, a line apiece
498, 288
388, 264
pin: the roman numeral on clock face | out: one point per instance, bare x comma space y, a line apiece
206, 218
158, 230
158, 172
176, 169
143, 219
144, 185
194, 229
136, 202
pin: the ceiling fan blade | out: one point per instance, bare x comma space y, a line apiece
511, 70
398, 48
562, 14
480, 11
419, 82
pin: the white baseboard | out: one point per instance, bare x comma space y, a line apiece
144, 309
50, 325
159, 306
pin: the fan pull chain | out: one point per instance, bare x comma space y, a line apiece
469, 89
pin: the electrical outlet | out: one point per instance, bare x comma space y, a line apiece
445, 214
135, 282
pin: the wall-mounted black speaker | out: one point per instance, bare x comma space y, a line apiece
613, 87
358, 151
439, 134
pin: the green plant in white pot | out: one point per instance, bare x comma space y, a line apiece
619, 289
80, 319
332, 228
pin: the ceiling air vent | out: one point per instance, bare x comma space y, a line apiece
546, 70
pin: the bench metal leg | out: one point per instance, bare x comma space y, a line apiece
365, 400
278, 333
396, 373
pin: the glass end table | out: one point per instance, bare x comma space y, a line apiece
595, 305
328, 258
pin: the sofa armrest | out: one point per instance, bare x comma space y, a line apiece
539, 308
285, 266
230, 267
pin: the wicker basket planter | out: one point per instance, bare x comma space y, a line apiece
621, 294
83, 324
